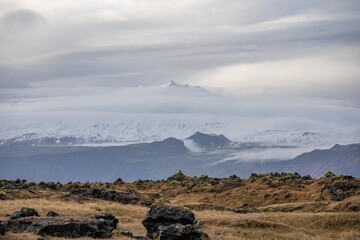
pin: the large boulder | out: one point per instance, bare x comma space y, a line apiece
24, 212
109, 218
92, 228
100, 226
168, 222
180, 232
164, 216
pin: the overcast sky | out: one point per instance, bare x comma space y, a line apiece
307, 48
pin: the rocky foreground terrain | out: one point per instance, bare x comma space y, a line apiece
274, 205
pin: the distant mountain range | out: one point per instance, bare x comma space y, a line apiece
126, 132
158, 159
342, 159
175, 110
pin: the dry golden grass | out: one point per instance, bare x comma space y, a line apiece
130, 216
255, 194
350, 203
228, 225
218, 224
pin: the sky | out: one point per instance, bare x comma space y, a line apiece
85, 55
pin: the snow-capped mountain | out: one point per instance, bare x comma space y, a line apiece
125, 132
122, 132
296, 136
146, 114
186, 90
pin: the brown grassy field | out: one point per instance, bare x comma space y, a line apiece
218, 224
278, 206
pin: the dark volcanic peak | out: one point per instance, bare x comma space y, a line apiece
187, 90
171, 144
209, 141
174, 84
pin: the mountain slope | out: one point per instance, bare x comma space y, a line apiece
209, 141
341, 159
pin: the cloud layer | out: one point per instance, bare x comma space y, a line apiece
82, 53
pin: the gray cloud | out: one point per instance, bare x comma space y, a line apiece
117, 44
21, 18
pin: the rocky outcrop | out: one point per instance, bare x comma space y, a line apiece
111, 220
53, 214
180, 232
168, 222
339, 186
2, 228
24, 212
114, 196
179, 176
96, 228
339, 190
100, 226
275, 179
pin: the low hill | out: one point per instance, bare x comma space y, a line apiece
209, 141
281, 191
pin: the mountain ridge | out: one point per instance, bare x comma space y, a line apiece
209, 141
142, 160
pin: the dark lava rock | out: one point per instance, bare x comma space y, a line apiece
97, 227
336, 194
24, 212
114, 196
180, 232
119, 181
341, 187
111, 219
52, 214
179, 176
276, 179
51, 185
164, 216
329, 175
2, 228
168, 222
